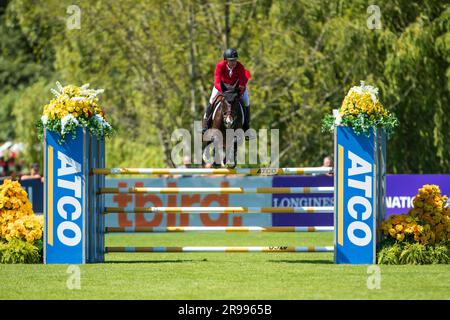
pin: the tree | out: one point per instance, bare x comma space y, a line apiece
156, 61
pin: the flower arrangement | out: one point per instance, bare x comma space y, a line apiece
424, 228
74, 107
361, 110
20, 229
402, 228
17, 219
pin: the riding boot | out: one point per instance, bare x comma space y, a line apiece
206, 118
246, 125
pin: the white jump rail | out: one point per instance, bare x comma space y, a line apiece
195, 171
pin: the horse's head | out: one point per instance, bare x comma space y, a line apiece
230, 104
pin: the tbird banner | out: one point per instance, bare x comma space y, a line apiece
129, 201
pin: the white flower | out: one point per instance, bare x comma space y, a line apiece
66, 120
363, 88
60, 87
102, 121
86, 93
55, 93
78, 98
337, 117
91, 93
58, 92
44, 120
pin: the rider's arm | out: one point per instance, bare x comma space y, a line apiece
218, 76
243, 78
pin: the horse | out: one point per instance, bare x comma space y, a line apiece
228, 113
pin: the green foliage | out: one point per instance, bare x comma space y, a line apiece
19, 251
362, 123
19, 68
39, 244
27, 111
124, 153
440, 254
156, 61
93, 125
413, 253
7, 128
389, 254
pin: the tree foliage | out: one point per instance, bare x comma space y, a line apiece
156, 60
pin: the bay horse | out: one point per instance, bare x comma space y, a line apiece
227, 113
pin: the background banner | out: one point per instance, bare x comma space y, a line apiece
130, 201
401, 188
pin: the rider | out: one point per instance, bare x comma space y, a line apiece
229, 70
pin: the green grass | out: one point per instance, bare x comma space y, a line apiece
223, 275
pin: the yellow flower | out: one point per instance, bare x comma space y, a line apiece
431, 211
17, 219
64, 105
392, 232
417, 203
400, 237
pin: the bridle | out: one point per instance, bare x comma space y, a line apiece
229, 114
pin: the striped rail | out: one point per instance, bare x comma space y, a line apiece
217, 229
193, 171
171, 190
219, 249
221, 210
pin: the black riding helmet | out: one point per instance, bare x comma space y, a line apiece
230, 54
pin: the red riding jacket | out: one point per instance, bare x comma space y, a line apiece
223, 73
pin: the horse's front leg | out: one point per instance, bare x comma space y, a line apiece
230, 154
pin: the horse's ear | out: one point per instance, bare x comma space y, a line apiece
222, 86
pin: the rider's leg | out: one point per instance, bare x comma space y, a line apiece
207, 116
246, 101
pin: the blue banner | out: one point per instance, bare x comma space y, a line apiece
65, 199
35, 192
355, 205
304, 199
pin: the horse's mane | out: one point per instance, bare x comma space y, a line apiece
230, 96
231, 93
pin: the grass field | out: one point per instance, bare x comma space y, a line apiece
223, 275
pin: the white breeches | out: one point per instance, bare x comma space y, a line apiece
245, 97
